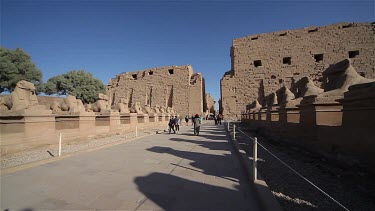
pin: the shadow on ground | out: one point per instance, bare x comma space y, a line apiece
173, 192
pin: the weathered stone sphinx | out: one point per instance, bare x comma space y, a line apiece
147, 109
285, 95
271, 100
156, 109
70, 104
170, 111
102, 104
163, 109
122, 106
136, 108
310, 89
88, 107
324, 108
3, 104
23, 99
256, 106
337, 79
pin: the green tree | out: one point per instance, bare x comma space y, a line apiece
76, 82
16, 65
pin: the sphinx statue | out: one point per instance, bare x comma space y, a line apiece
163, 109
23, 98
3, 104
310, 89
88, 107
339, 77
169, 110
255, 106
306, 88
156, 109
136, 108
80, 106
147, 109
123, 106
272, 100
70, 103
102, 104
285, 95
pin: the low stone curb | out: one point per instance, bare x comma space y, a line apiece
266, 199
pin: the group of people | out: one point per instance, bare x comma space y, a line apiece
175, 121
218, 119
174, 124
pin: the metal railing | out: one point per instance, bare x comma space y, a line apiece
255, 159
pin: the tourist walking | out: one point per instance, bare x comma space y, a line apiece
219, 118
197, 124
177, 123
187, 120
171, 125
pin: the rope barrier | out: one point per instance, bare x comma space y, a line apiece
304, 178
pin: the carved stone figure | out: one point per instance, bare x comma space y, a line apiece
285, 95
157, 109
123, 106
55, 106
24, 97
147, 109
4, 103
272, 100
88, 107
136, 108
71, 103
80, 106
163, 109
256, 106
102, 104
339, 77
311, 89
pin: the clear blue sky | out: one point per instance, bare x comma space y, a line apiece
111, 37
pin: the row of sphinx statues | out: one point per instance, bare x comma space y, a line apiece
24, 98
336, 81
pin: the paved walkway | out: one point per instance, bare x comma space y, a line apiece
158, 172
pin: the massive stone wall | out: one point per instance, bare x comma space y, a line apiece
263, 63
171, 86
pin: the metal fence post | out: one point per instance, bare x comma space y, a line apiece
255, 158
60, 140
234, 131
228, 126
136, 131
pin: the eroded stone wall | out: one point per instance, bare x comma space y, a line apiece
171, 86
263, 63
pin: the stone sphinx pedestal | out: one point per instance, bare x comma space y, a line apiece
81, 121
320, 111
107, 121
272, 114
142, 119
26, 129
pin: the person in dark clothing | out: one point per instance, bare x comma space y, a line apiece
219, 118
177, 123
197, 124
187, 120
171, 125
